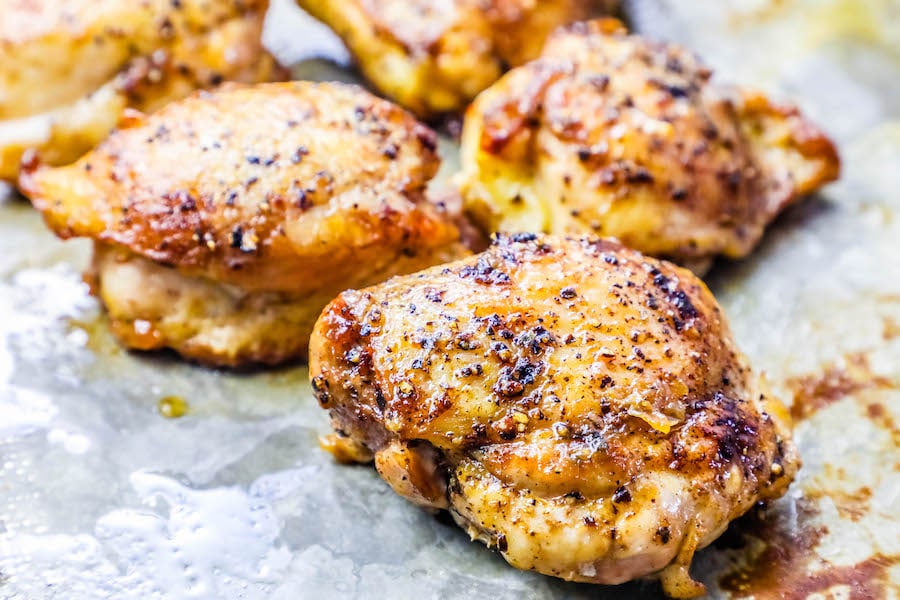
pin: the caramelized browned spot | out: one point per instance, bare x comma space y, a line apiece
814, 392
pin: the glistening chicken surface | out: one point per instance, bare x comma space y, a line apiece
574, 404
225, 222
621, 136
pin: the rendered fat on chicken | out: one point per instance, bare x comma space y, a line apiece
434, 57
611, 134
577, 406
69, 68
225, 222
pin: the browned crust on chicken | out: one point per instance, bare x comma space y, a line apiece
57, 51
612, 134
68, 68
434, 57
584, 406
276, 194
248, 184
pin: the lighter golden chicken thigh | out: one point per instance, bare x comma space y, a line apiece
225, 222
69, 68
615, 135
574, 404
434, 57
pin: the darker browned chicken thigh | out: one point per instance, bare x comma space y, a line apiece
574, 404
434, 57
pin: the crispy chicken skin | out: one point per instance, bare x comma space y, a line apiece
68, 68
225, 222
434, 57
574, 404
611, 134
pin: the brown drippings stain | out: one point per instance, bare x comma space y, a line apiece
836, 484
875, 411
783, 563
814, 392
778, 547
853, 505
891, 329
866, 580
878, 414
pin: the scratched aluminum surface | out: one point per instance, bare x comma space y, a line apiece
101, 496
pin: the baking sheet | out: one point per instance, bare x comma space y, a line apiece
103, 495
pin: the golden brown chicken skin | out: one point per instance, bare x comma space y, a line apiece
225, 222
434, 57
574, 404
69, 68
611, 134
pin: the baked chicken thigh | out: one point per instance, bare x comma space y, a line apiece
611, 134
574, 404
434, 57
69, 68
225, 222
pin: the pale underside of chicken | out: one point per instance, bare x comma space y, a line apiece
611, 134
224, 222
434, 57
69, 68
577, 406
